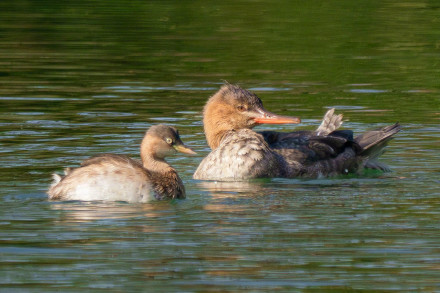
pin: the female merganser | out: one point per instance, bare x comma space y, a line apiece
240, 153
111, 177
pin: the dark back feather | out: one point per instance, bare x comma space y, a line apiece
372, 142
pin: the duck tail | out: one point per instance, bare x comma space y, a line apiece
330, 123
56, 179
52, 193
373, 142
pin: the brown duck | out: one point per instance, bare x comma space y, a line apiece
111, 177
240, 153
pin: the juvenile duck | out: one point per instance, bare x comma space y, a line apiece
240, 153
111, 177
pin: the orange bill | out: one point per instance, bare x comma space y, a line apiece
262, 116
275, 119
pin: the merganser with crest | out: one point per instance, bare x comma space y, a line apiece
111, 177
239, 153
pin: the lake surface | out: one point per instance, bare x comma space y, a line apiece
89, 77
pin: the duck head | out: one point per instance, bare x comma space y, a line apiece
161, 141
234, 108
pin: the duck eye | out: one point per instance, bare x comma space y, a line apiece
169, 140
241, 108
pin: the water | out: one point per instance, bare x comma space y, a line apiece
90, 77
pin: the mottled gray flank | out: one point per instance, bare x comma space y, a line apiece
245, 154
242, 154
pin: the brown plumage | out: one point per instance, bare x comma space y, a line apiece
240, 153
113, 177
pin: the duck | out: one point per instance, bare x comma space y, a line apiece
113, 177
240, 153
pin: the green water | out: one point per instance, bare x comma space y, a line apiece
87, 77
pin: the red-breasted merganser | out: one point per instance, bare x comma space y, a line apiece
111, 177
240, 153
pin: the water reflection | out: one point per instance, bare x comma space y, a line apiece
234, 188
77, 212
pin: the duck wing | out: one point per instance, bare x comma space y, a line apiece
310, 154
307, 146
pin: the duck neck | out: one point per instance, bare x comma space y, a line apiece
214, 137
154, 164
166, 181
150, 160
216, 125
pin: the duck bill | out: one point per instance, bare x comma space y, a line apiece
266, 117
184, 149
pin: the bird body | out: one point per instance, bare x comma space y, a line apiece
111, 177
240, 153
